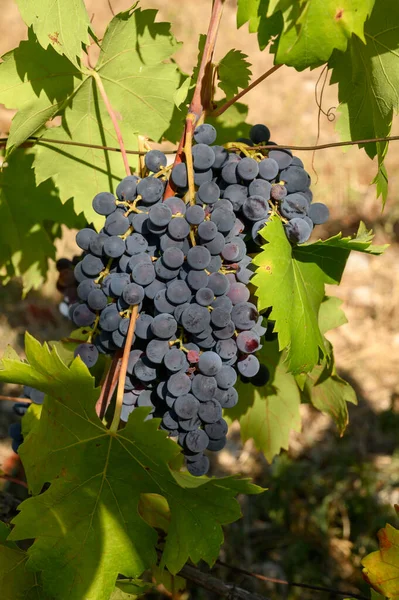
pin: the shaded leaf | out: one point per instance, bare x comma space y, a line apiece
269, 413
62, 24
234, 72
106, 535
331, 314
30, 221
255, 13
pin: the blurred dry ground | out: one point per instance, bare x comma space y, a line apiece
353, 478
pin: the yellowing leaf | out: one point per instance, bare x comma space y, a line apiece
381, 568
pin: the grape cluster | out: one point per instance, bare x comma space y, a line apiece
186, 267
20, 408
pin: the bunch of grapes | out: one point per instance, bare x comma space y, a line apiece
186, 266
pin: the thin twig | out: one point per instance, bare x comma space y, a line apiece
122, 375
306, 586
109, 385
13, 480
393, 138
219, 111
217, 586
110, 7
114, 120
15, 399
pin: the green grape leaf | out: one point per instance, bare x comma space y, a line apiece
381, 568
368, 78
30, 221
104, 475
268, 413
255, 13
313, 29
140, 81
291, 280
328, 392
64, 25
130, 588
331, 314
17, 582
234, 72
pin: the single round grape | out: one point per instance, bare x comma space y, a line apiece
224, 333
150, 189
143, 274
179, 384
247, 169
244, 315
175, 360
229, 172
83, 316
205, 134
226, 378
163, 272
295, 179
178, 228
195, 214
199, 467
116, 224
226, 349
117, 283
249, 366
154, 160
160, 214
104, 203
298, 231
162, 303
110, 318
203, 157
230, 399
208, 192
186, 406
319, 213
197, 279
114, 246
164, 326
268, 169
179, 175
297, 162
84, 237
196, 441
96, 245
97, 300
176, 205
209, 364
144, 370
217, 430
173, 258
143, 326
218, 283
126, 189
203, 387
85, 287
259, 134
294, 205
238, 293
255, 208
224, 219
153, 288
190, 424
207, 231
204, 296
235, 250
210, 411
216, 245
135, 244
236, 194
220, 317
282, 157
216, 445
133, 294
92, 265
198, 257
195, 318
178, 292
156, 350
278, 192
260, 187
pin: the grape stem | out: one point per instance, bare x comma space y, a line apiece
219, 111
114, 120
122, 374
15, 399
13, 480
109, 384
202, 96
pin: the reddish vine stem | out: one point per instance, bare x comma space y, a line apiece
203, 89
114, 120
13, 480
219, 111
122, 375
109, 386
15, 399
307, 586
